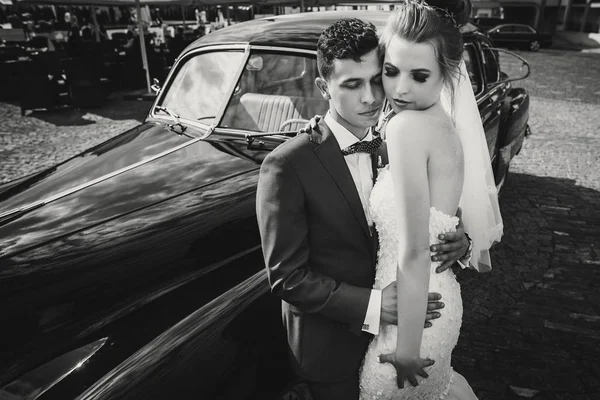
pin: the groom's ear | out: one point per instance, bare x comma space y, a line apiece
323, 87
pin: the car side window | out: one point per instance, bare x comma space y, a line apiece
490, 64
201, 85
505, 29
523, 29
275, 93
472, 69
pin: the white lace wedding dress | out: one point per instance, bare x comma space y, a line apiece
378, 380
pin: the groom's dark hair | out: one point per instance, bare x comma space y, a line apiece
348, 38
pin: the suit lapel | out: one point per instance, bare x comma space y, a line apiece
374, 164
378, 160
328, 152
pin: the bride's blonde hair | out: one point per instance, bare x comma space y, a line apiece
436, 22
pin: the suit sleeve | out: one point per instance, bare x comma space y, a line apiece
283, 225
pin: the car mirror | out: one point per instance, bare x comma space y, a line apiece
155, 86
255, 63
513, 65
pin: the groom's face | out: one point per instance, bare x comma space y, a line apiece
356, 92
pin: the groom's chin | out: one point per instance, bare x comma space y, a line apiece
371, 120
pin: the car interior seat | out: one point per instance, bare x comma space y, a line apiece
273, 113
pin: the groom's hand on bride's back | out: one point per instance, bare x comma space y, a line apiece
389, 306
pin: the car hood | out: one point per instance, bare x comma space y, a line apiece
140, 167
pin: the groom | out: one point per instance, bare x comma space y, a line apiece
318, 239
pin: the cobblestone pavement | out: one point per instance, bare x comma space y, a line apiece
532, 325
42, 139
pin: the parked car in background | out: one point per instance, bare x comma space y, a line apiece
519, 36
134, 270
486, 23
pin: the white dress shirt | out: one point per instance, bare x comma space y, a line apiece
361, 169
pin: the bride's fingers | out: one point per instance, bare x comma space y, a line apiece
428, 362
400, 381
413, 380
423, 374
432, 315
432, 296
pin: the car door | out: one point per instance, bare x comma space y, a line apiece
503, 35
524, 35
491, 102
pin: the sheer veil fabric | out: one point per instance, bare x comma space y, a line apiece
479, 200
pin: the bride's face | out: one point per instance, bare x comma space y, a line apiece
412, 77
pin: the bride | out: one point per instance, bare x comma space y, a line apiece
437, 162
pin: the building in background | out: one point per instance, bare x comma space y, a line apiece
550, 15
487, 9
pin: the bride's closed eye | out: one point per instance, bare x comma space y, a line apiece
390, 71
421, 78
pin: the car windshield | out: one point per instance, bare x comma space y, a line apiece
275, 93
201, 85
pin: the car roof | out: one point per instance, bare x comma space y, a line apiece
300, 30
503, 25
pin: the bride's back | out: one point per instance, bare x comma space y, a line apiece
429, 136
445, 166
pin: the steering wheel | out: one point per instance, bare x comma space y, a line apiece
292, 121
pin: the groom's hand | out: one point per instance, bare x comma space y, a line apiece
312, 124
389, 306
454, 246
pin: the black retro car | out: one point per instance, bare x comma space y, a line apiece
134, 270
519, 36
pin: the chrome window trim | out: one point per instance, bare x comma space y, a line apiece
247, 48
29, 386
196, 124
479, 67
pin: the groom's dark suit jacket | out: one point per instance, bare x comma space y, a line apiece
319, 253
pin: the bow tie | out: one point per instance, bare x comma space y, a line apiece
369, 147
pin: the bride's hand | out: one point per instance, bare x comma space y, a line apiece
407, 369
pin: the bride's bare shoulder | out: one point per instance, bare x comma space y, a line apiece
430, 129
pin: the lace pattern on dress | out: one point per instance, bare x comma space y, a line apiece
378, 381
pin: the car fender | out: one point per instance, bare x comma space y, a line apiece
513, 125
232, 348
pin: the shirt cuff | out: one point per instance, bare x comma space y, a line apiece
371, 324
465, 262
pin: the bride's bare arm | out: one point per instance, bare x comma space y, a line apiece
413, 139
408, 153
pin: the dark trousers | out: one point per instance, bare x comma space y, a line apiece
343, 390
